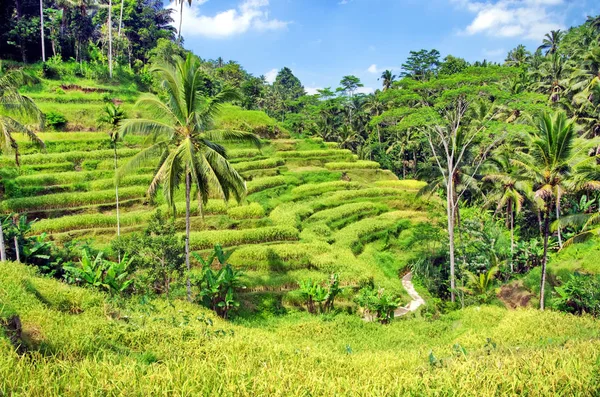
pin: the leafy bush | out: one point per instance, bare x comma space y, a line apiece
55, 120
323, 296
100, 273
218, 287
579, 295
380, 303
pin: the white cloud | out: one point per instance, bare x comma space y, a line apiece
271, 75
529, 19
365, 90
312, 90
376, 70
344, 2
249, 15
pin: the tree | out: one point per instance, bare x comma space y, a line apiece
349, 85
113, 115
422, 65
388, 78
14, 108
450, 143
518, 56
510, 191
288, 85
453, 65
551, 41
183, 139
551, 160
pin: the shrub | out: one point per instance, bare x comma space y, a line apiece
361, 164
55, 120
100, 273
579, 295
381, 304
323, 296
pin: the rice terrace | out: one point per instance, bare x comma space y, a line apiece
183, 214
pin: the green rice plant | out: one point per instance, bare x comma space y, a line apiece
228, 238
290, 214
68, 200
64, 178
334, 199
72, 157
365, 230
88, 221
241, 153
278, 256
257, 185
252, 210
258, 165
133, 180
405, 184
347, 211
361, 164
331, 145
49, 167
305, 154
307, 190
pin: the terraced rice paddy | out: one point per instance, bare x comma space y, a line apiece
311, 209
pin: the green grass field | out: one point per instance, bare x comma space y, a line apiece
76, 342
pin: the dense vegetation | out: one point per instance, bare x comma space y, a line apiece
254, 227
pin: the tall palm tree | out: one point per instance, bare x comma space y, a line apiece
181, 17
15, 110
388, 78
113, 115
510, 190
551, 161
551, 41
375, 106
519, 56
184, 141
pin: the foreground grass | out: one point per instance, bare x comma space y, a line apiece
81, 344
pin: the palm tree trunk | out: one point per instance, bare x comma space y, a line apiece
17, 253
560, 243
180, 21
120, 19
117, 196
188, 183
512, 235
2, 247
451, 224
110, 64
545, 257
42, 30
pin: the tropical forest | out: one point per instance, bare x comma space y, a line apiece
174, 222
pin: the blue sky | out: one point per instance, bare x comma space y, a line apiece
323, 40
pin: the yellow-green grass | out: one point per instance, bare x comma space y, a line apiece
315, 189
226, 238
405, 184
80, 343
68, 200
317, 154
361, 164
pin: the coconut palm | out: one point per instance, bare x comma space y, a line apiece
551, 41
552, 159
388, 78
519, 56
184, 141
552, 76
113, 115
15, 110
510, 190
42, 30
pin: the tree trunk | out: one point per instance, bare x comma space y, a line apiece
17, 253
42, 30
415, 162
545, 257
180, 21
560, 243
120, 19
110, 65
450, 212
511, 216
188, 183
117, 197
2, 247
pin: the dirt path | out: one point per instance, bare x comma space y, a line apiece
412, 306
